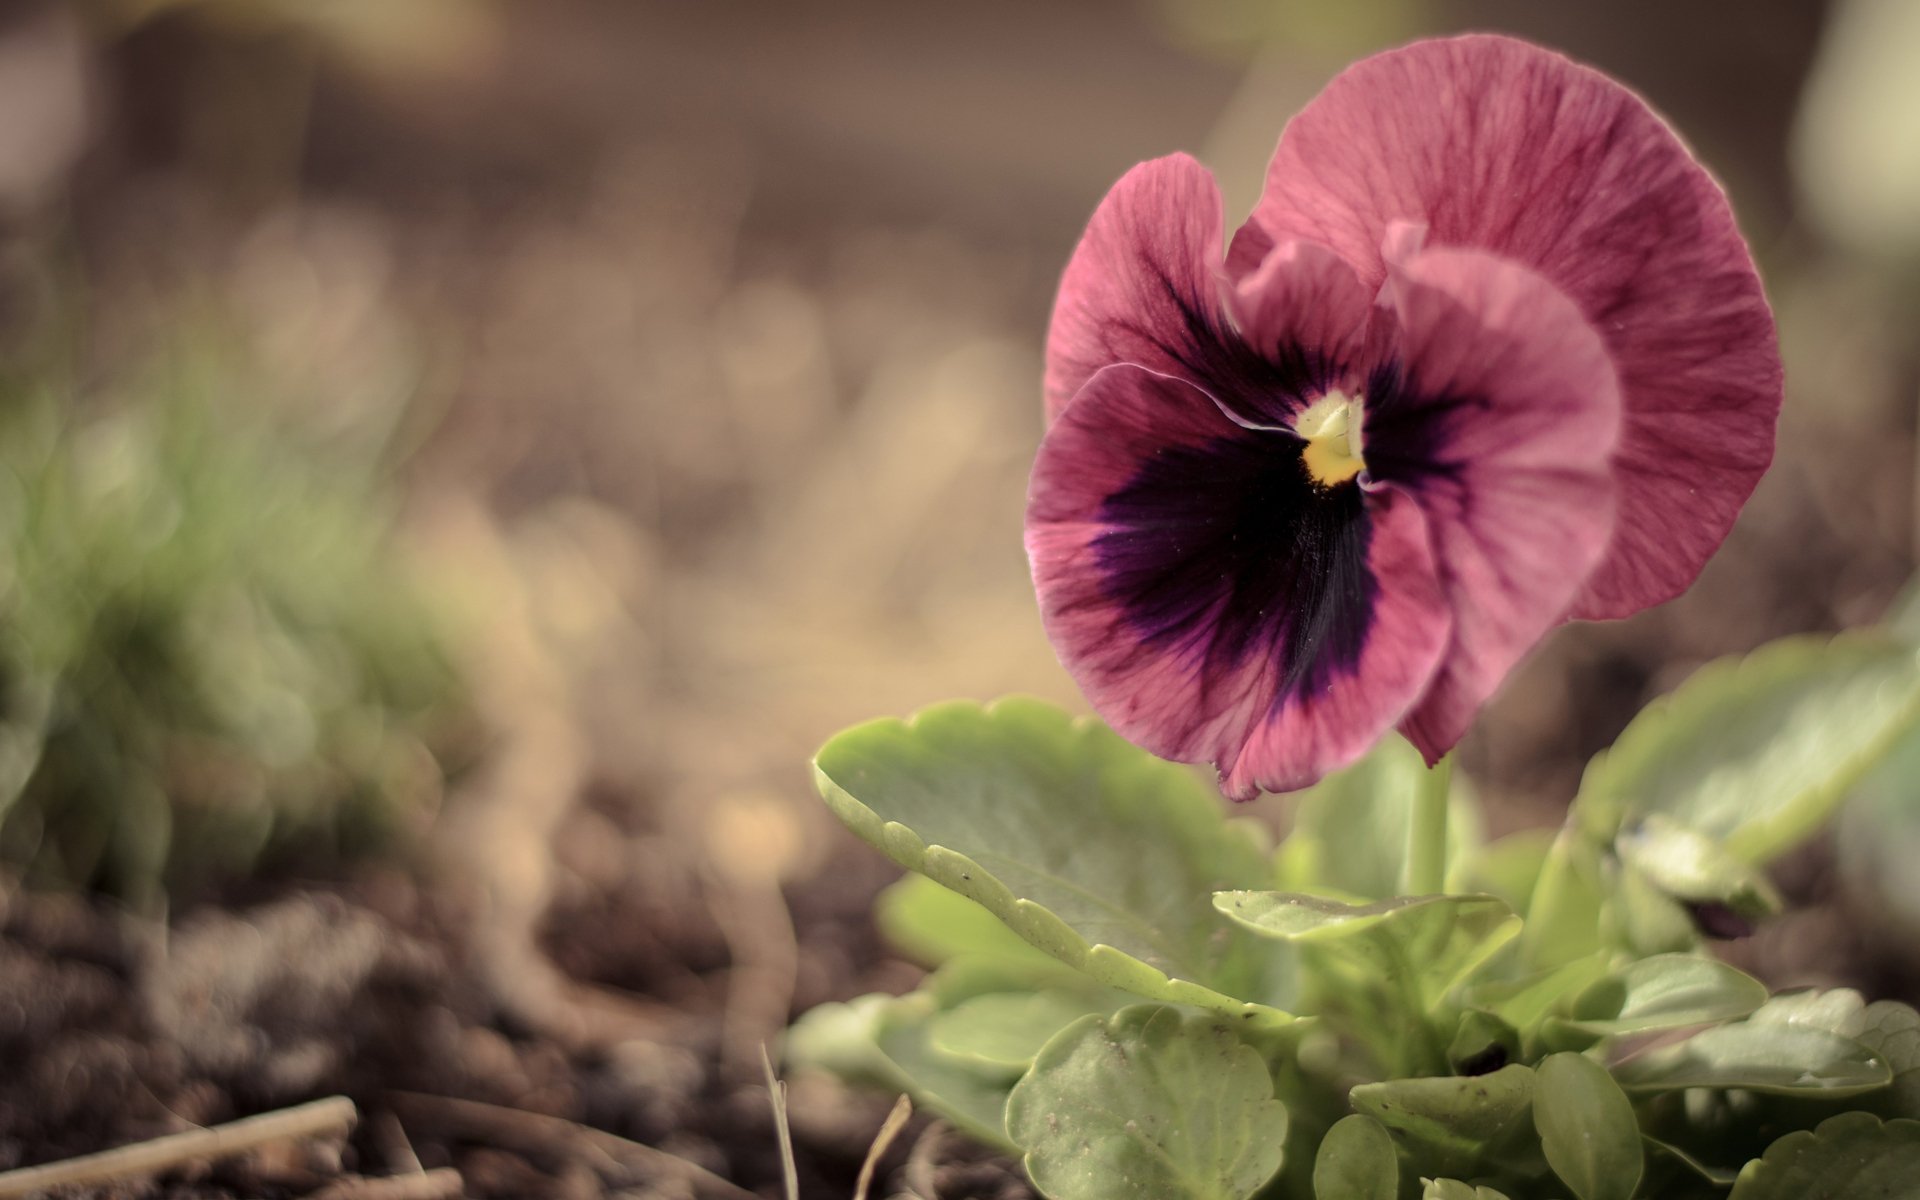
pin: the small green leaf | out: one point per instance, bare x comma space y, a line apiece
1848, 1157
1510, 867
932, 924
1689, 865
1453, 1189
1877, 838
1587, 1128
1671, 1169
1755, 752
1086, 847
1835, 1010
1150, 1104
883, 1040
1892, 1031
1482, 1042
1349, 836
1525, 1001
1442, 938
1563, 917
1647, 921
1005, 1028
1761, 1057
1450, 1123
1357, 1161
1667, 991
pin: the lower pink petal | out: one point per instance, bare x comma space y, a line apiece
1501, 427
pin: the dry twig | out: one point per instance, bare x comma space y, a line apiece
441, 1184
612, 1155
889, 1128
334, 1114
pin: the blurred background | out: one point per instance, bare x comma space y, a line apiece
508, 438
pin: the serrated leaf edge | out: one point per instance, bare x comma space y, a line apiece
1035, 923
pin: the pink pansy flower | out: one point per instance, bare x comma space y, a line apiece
1489, 354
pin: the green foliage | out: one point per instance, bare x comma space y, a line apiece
1453, 1189
1452, 1124
1149, 1104
1560, 1033
209, 660
1850, 1156
1357, 1161
1429, 943
1759, 1057
1349, 835
1667, 991
1754, 752
1587, 1128
1095, 853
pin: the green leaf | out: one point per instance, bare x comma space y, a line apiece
1357, 1161
1754, 752
1667, 991
1450, 1123
1878, 839
1835, 1010
971, 975
1453, 1189
1587, 1128
1892, 1031
1783, 1059
1005, 1028
1524, 1002
1349, 835
1482, 1042
1087, 847
1443, 939
1671, 1170
1149, 1103
1510, 867
885, 1041
1688, 865
932, 924
1645, 920
1887, 1028
1848, 1157
1563, 918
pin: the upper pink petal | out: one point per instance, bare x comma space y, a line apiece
1212, 603
1500, 426
1495, 144
1304, 301
1143, 283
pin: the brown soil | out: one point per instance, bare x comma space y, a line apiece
114, 1030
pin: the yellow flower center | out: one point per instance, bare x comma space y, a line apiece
1331, 427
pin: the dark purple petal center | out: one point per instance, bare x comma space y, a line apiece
1229, 549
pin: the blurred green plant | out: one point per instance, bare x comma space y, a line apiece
1143, 999
210, 659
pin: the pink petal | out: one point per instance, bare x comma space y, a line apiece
1144, 282
1496, 144
1304, 299
1501, 429
1210, 602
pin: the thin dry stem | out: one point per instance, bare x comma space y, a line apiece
443, 1183
612, 1155
889, 1129
334, 1114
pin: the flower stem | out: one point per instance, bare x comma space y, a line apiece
1427, 839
